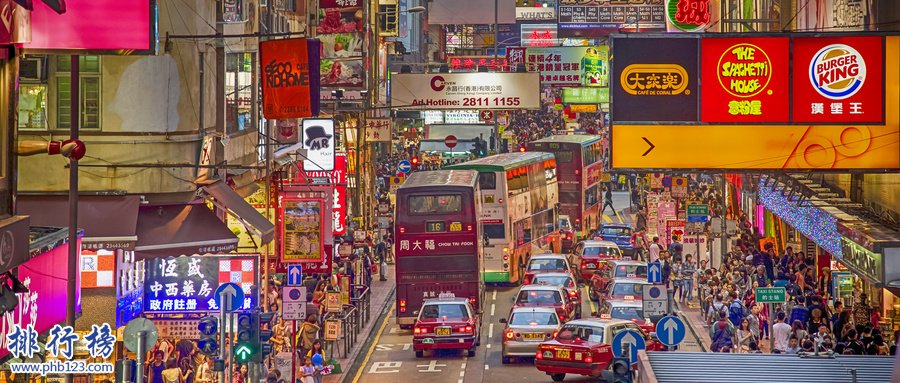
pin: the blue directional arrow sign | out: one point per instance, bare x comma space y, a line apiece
654, 272
229, 296
404, 166
670, 330
294, 275
631, 338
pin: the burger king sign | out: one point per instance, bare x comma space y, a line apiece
838, 80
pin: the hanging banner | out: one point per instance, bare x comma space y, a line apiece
456, 91
570, 66
318, 140
290, 78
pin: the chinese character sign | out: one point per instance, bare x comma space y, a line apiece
566, 65
745, 80
838, 79
188, 284
378, 130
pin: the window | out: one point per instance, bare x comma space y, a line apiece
494, 231
238, 92
616, 231
534, 318
627, 313
547, 265
588, 333
89, 89
33, 106
554, 280
455, 311
633, 289
435, 204
540, 297
563, 156
487, 181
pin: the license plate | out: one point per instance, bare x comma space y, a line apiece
533, 336
442, 331
455, 226
563, 354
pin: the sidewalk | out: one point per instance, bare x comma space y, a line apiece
696, 323
382, 293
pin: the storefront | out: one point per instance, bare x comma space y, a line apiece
872, 253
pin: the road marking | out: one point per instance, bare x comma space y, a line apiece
487, 367
493, 306
494, 296
384, 347
587, 293
491, 331
431, 366
395, 330
607, 219
377, 366
463, 366
488, 345
618, 216
462, 374
372, 348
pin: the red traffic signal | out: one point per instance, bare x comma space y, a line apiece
522, 148
414, 160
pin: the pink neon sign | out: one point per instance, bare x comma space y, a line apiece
93, 25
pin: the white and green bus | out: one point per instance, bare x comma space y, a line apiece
519, 211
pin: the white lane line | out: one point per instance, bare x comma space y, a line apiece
463, 366
462, 374
494, 296
488, 345
487, 367
491, 331
493, 307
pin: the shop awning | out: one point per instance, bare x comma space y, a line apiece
224, 197
173, 230
109, 222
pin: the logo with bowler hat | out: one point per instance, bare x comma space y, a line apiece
316, 139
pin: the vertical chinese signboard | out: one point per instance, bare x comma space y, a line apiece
378, 130
290, 78
745, 79
838, 80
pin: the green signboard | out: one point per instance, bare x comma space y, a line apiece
697, 209
585, 95
770, 295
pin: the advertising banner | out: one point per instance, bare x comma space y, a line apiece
539, 35
472, 63
378, 130
181, 285
459, 243
662, 86
745, 79
342, 45
290, 73
559, 66
535, 13
303, 230
456, 91
692, 16
838, 79
245, 237
580, 18
318, 140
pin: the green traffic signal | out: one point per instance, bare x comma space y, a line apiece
243, 352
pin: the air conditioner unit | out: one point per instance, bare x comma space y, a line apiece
33, 69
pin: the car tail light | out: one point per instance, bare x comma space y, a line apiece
573, 293
589, 359
555, 333
583, 265
539, 354
509, 334
403, 305
419, 330
402, 230
578, 220
569, 236
577, 171
467, 329
562, 318
472, 300
469, 227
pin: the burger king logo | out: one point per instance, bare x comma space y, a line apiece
837, 71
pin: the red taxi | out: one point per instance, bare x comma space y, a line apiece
447, 323
564, 280
590, 255
546, 263
632, 310
581, 347
629, 289
616, 268
566, 233
546, 296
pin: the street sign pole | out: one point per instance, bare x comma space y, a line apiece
222, 329
141, 338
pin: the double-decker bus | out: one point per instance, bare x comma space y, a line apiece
438, 240
578, 159
519, 199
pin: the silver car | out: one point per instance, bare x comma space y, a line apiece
525, 329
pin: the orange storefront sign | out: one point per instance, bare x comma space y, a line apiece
290, 78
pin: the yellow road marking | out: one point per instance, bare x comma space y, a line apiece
607, 219
372, 348
619, 217
587, 293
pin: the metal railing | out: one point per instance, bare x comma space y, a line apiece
354, 317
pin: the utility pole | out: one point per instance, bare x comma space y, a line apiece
74, 249
220, 78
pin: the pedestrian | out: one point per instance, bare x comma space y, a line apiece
722, 334
187, 372
736, 310
800, 312
677, 280
307, 335
744, 336
781, 332
655, 248
307, 371
205, 373
793, 345
753, 318
156, 367
688, 269
764, 319
172, 374
798, 329
240, 374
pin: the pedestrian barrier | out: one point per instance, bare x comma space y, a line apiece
353, 318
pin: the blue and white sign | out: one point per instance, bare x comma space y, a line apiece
633, 339
654, 272
294, 275
176, 286
232, 290
655, 300
670, 330
404, 166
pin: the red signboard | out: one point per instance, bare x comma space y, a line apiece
745, 80
838, 79
436, 244
338, 180
290, 78
475, 62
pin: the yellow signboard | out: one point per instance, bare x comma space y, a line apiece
768, 146
583, 108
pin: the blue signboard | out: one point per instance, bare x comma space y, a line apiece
633, 339
654, 272
185, 285
404, 166
294, 275
670, 330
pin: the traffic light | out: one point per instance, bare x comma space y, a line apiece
247, 341
415, 162
620, 371
263, 324
209, 331
522, 148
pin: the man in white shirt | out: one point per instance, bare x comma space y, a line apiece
781, 332
654, 250
205, 374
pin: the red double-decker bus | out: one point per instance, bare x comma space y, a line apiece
438, 240
578, 163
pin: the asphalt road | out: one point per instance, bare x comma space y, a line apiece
393, 360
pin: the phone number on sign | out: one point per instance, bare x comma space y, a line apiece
472, 101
